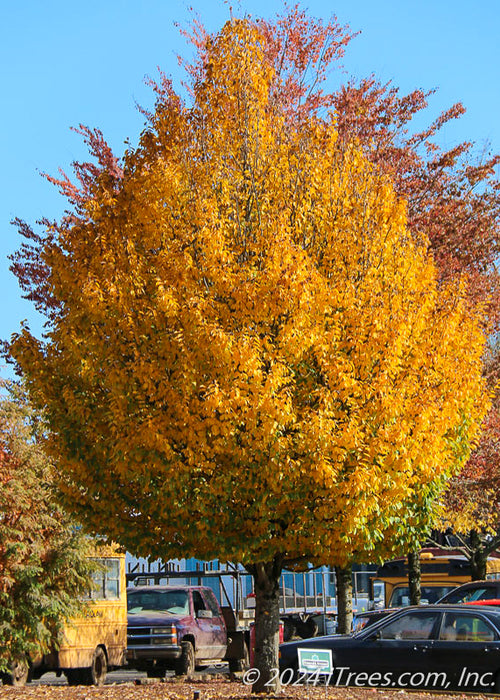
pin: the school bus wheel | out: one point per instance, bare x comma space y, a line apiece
96, 673
19, 674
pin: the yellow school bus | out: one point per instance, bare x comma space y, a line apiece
440, 574
97, 640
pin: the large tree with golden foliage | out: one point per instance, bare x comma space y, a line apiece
248, 355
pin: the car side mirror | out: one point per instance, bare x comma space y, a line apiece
204, 614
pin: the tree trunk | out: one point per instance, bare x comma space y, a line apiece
478, 557
266, 576
343, 579
414, 577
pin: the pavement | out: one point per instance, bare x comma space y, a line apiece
127, 676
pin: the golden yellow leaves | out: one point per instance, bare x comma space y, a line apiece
261, 360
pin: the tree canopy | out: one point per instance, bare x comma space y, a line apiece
248, 354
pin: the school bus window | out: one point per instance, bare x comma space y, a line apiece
106, 580
112, 582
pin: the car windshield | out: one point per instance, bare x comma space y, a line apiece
173, 602
361, 621
371, 624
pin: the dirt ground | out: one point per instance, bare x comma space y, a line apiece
220, 688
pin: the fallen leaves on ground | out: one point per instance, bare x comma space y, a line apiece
218, 689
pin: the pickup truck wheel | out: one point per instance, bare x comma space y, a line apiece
186, 664
96, 674
236, 665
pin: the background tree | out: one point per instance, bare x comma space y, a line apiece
453, 198
453, 195
248, 355
471, 502
43, 569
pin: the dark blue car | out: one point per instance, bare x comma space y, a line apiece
436, 647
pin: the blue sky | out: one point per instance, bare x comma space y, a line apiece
66, 63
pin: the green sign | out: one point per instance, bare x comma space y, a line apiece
315, 661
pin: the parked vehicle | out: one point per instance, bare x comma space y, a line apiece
94, 642
437, 647
493, 602
440, 574
180, 628
473, 591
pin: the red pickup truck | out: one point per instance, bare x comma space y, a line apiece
180, 628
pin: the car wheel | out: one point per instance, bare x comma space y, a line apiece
96, 673
186, 664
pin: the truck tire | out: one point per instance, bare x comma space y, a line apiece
236, 665
186, 664
289, 629
95, 674
307, 628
